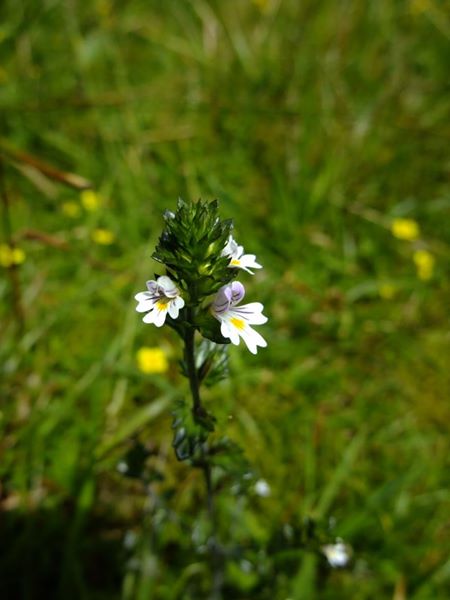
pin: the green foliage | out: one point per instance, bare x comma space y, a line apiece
209, 327
212, 362
233, 468
315, 124
190, 434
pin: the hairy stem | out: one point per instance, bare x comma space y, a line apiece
198, 412
189, 354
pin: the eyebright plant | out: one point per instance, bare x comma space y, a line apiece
197, 295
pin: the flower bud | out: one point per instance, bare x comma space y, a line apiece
191, 247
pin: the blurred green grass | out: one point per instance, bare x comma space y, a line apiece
315, 124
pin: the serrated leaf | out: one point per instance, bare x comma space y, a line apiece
212, 362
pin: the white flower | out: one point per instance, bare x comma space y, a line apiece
239, 260
262, 488
162, 297
235, 320
337, 554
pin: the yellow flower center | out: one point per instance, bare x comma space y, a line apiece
161, 305
238, 323
235, 261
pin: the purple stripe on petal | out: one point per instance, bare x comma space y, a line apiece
222, 299
152, 287
237, 292
220, 307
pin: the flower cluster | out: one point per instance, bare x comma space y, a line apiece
202, 259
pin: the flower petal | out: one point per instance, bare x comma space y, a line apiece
230, 332
174, 307
253, 339
245, 262
179, 302
231, 247
222, 300
251, 313
143, 296
237, 292
152, 287
160, 314
167, 286
149, 317
145, 306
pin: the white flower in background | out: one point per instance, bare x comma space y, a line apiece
161, 298
262, 488
235, 320
338, 554
239, 260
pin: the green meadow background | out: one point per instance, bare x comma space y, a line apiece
318, 125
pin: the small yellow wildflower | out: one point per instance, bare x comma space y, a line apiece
71, 209
387, 290
405, 229
18, 256
152, 360
11, 256
90, 200
424, 262
104, 237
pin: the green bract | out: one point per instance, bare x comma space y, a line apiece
191, 246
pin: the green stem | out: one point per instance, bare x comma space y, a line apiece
199, 412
